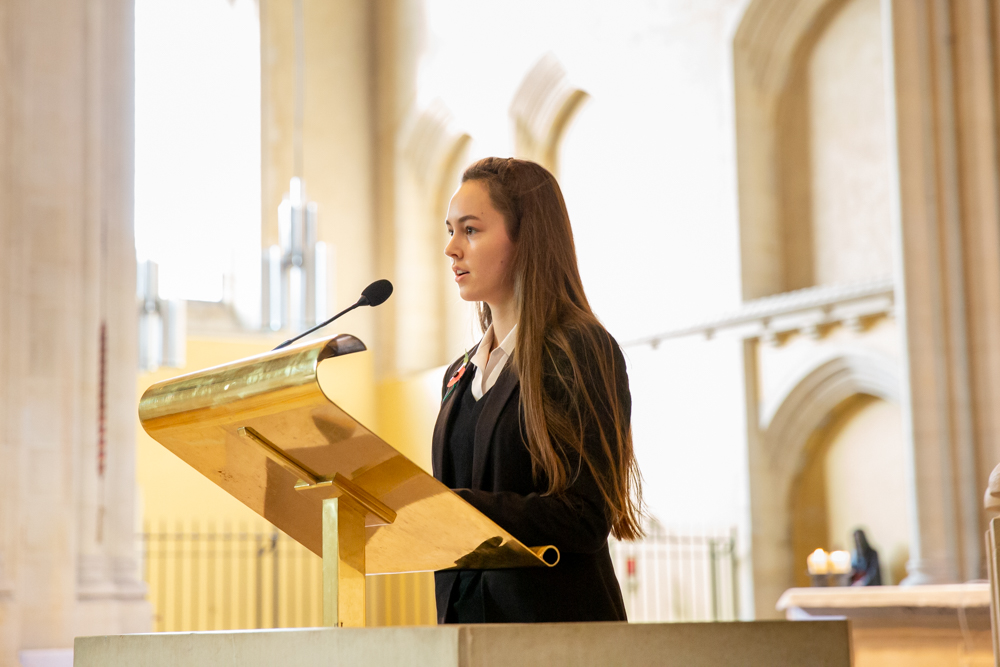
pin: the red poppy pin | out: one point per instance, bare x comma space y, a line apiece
456, 377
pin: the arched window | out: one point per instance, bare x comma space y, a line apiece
541, 110
197, 144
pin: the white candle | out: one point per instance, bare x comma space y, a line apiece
818, 562
840, 562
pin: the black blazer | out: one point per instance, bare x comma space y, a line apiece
583, 586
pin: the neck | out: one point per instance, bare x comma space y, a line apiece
504, 318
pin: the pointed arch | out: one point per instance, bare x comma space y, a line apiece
542, 109
782, 451
808, 398
432, 147
773, 39
433, 151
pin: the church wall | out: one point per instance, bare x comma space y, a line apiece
800, 388
781, 365
647, 167
849, 158
853, 477
864, 466
813, 145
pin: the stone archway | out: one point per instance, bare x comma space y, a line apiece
774, 37
543, 107
786, 427
433, 149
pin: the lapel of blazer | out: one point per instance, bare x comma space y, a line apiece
496, 398
442, 427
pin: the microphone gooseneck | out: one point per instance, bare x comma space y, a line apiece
373, 295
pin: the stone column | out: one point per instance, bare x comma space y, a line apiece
399, 36
940, 55
68, 281
117, 340
10, 460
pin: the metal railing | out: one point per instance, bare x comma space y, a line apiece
679, 575
230, 579
202, 578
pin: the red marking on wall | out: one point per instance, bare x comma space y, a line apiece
102, 372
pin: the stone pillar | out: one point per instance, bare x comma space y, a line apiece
398, 39
943, 114
67, 320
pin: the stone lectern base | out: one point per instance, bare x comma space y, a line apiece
763, 643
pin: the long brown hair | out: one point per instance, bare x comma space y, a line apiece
564, 358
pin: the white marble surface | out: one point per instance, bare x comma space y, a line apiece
763, 643
942, 596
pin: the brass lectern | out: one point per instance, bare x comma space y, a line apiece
264, 429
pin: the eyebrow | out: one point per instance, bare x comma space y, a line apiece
462, 220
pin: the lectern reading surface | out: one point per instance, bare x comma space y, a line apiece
264, 430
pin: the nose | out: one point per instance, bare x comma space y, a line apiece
451, 249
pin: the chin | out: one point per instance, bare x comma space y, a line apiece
467, 294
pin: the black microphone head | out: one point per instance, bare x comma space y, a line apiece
376, 293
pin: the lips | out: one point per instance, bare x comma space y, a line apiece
459, 273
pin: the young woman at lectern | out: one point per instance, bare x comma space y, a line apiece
534, 428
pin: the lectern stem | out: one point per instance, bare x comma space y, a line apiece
343, 563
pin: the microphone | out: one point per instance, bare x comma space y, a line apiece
373, 295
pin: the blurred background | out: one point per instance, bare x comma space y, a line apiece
784, 210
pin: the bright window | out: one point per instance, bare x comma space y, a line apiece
197, 144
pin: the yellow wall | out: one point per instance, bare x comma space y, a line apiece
854, 479
407, 409
866, 485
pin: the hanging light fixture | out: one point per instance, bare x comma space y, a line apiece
162, 322
295, 271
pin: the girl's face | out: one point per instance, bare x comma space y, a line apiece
481, 252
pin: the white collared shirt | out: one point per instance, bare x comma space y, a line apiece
488, 366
